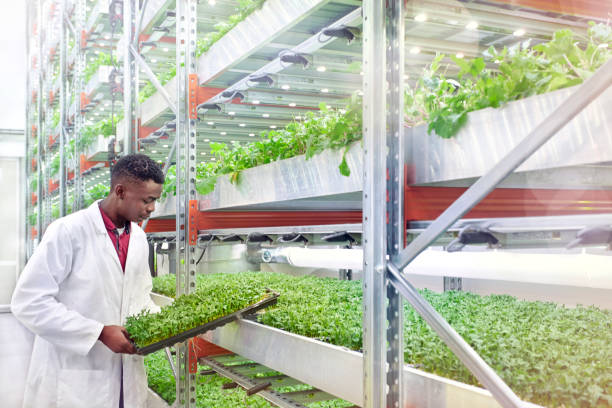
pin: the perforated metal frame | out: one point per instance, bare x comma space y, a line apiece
186, 30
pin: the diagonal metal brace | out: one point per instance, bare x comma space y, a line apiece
564, 113
481, 370
153, 78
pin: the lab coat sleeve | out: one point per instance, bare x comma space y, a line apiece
35, 303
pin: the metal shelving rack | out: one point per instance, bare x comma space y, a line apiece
185, 107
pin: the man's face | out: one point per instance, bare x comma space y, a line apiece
137, 198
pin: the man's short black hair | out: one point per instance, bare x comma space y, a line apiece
138, 167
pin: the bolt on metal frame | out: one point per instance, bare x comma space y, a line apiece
377, 392
186, 31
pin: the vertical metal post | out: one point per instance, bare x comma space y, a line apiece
62, 108
28, 133
43, 181
79, 67
186, 25
374, 205
130, 77
395, 193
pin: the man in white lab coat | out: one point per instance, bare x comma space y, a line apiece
89, 272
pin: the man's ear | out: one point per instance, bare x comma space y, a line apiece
119, 190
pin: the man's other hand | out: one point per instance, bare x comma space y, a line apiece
116, 338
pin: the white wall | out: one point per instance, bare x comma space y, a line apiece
11, 218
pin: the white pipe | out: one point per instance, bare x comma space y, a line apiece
334, 258
580, 270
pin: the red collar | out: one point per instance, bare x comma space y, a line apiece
109, 224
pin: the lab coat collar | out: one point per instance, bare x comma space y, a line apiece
93, 212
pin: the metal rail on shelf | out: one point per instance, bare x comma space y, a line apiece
252, 386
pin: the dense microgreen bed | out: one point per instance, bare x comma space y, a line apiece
547, 353
209, 391
204, 305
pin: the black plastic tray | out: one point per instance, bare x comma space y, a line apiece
270, 300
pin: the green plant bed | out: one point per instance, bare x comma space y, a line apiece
326, 129
547, 353
443, 101
209, 388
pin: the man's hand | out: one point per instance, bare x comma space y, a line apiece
116, 338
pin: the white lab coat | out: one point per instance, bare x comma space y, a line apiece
71, 287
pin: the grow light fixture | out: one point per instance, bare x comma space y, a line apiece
165, 146
325, 90
519, 33
472, 25
148, 141
209, 106
421, 17
212, 2
223, 133
286, 87
255, 102
203, 153
242, 125
292, 57
165, 49
272, 126
265, 115
348, 33
415, 50
321, 68
207, 140
459, 55
210, 123
251, 134
260, 79
231, 95
292, 104
232, 113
